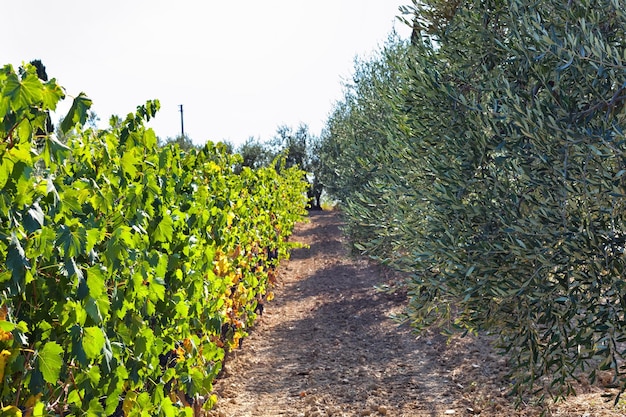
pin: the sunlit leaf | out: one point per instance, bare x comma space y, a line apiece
50, 360
93, 341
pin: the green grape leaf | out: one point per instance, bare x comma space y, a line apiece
97, 308
6, 169
17, 262
74, 397
95, 281
95, 408
39, 410
127, 162
54, 151
25, 130
94, 236
144, 341
50, 360
167, 407
34, 218
51, 95
194, 381
72, 242
164, 230
22, 94
73, 270
156, 290
93, 341
10, 411
77, 114
76, 333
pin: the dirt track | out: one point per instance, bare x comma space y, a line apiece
326, 346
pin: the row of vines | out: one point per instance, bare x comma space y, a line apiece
128, 269
487, 157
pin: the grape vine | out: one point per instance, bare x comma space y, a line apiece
129, 268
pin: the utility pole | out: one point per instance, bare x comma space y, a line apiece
182, 125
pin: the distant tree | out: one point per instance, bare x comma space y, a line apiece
92, 122
254, 153
292, 144
184, 142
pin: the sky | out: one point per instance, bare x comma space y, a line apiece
239, 68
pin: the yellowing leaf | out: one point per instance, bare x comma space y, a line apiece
129, 402
32, 400
4, 356
188, 344
221, 264
5, 333
10, 411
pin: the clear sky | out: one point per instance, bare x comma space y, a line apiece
239, 68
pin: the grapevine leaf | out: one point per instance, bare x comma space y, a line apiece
17, 262
74, 397
194, 381
95, 281
97, 308
93, 341
95, 408
77, 113
34, 218
39, 409
50, 360
4, 105
6, 169
109, 360
24, 93
168, 407
74, 270
127, 162
78, 351
72, 242
144, 342
157, 290
182, 310
52, 93
150, 139
19, 153
25, 130
164, 230
54, 150
94, 236
10, 411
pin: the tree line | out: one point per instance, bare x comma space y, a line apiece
485, 156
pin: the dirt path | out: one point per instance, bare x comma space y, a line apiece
327, 347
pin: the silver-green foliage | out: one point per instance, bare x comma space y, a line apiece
497, 177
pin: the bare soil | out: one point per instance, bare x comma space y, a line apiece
327, 346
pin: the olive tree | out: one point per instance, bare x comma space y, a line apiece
497, 178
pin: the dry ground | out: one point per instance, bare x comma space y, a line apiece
326, 346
